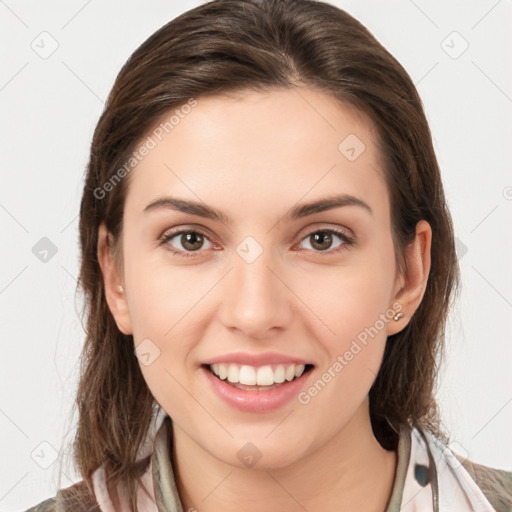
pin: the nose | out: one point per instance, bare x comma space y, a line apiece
256, 300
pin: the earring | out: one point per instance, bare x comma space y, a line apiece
398, 316
120, 288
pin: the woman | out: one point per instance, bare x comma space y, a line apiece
268, 263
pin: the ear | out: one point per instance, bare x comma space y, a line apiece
113, 284
411, 286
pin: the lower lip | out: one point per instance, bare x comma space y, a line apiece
257, 400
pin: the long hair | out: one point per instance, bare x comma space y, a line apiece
237, 45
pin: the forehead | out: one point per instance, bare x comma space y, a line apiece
275, 146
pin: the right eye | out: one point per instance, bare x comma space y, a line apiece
187, 242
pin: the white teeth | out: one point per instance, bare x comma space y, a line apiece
290, 373
262, 376
247, 376
233, 373
223, 371
299, 370
265, 376
279, 375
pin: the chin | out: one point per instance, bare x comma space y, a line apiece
257, 455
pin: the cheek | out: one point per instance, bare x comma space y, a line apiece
160, 302
357, 315
354, 305
349, 299
165, 308
161, 296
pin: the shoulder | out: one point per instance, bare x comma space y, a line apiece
496, 484
45, 506
77, 498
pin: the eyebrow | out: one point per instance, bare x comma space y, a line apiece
297, 212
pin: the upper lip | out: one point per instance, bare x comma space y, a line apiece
263, 359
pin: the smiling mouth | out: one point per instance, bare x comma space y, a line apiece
263, 378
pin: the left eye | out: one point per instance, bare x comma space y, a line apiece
323, 240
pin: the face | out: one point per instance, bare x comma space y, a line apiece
230, 268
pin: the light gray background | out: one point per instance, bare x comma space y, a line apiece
49, 107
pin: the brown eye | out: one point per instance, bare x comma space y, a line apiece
323, 240
192, 241
183, 242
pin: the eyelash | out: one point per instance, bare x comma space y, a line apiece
347, 241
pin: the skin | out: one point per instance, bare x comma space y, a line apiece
254, 156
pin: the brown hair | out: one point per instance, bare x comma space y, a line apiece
235, 45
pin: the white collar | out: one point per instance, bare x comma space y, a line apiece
435, 479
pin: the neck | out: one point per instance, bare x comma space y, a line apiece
350, 472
